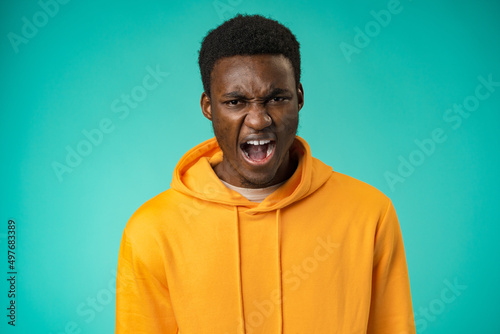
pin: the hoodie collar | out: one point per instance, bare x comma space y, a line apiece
194, 176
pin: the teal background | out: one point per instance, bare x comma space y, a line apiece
359, 117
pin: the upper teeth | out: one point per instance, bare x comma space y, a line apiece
258, 142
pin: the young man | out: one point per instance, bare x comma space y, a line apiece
255, 235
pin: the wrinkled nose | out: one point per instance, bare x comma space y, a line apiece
257, 117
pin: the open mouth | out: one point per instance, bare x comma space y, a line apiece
258, 151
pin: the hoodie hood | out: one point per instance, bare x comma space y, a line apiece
194, 176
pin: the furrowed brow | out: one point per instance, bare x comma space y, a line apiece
234, 95
275, 92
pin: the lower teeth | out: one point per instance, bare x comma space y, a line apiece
269, 149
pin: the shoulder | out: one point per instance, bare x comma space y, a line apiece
350, 190
144, 242
151, 220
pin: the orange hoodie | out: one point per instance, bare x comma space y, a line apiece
322, 254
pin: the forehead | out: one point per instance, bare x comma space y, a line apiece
252, 72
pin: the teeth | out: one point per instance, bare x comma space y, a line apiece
258, 142
262, 142
269, 150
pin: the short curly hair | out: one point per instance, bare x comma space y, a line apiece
247, 35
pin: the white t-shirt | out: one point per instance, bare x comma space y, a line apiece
254, 195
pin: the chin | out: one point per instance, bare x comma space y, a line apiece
258, 181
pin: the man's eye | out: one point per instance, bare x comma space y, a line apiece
232, 102
278, 99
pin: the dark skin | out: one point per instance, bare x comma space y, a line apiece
254, 98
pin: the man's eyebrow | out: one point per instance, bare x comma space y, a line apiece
275, 92
234, 94
271, 94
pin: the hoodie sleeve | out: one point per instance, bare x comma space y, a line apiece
142, 297
391, 308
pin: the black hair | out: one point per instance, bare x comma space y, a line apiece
247, 35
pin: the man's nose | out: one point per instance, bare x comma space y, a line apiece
257, 117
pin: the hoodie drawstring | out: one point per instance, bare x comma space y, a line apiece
278, 232
242, 314
280, 270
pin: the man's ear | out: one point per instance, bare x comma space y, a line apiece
300, 96
206, 106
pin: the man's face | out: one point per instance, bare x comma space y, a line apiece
254, 108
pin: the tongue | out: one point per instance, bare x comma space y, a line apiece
257, 152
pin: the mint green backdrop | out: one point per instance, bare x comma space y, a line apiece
404, 95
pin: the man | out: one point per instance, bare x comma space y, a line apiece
255, 235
